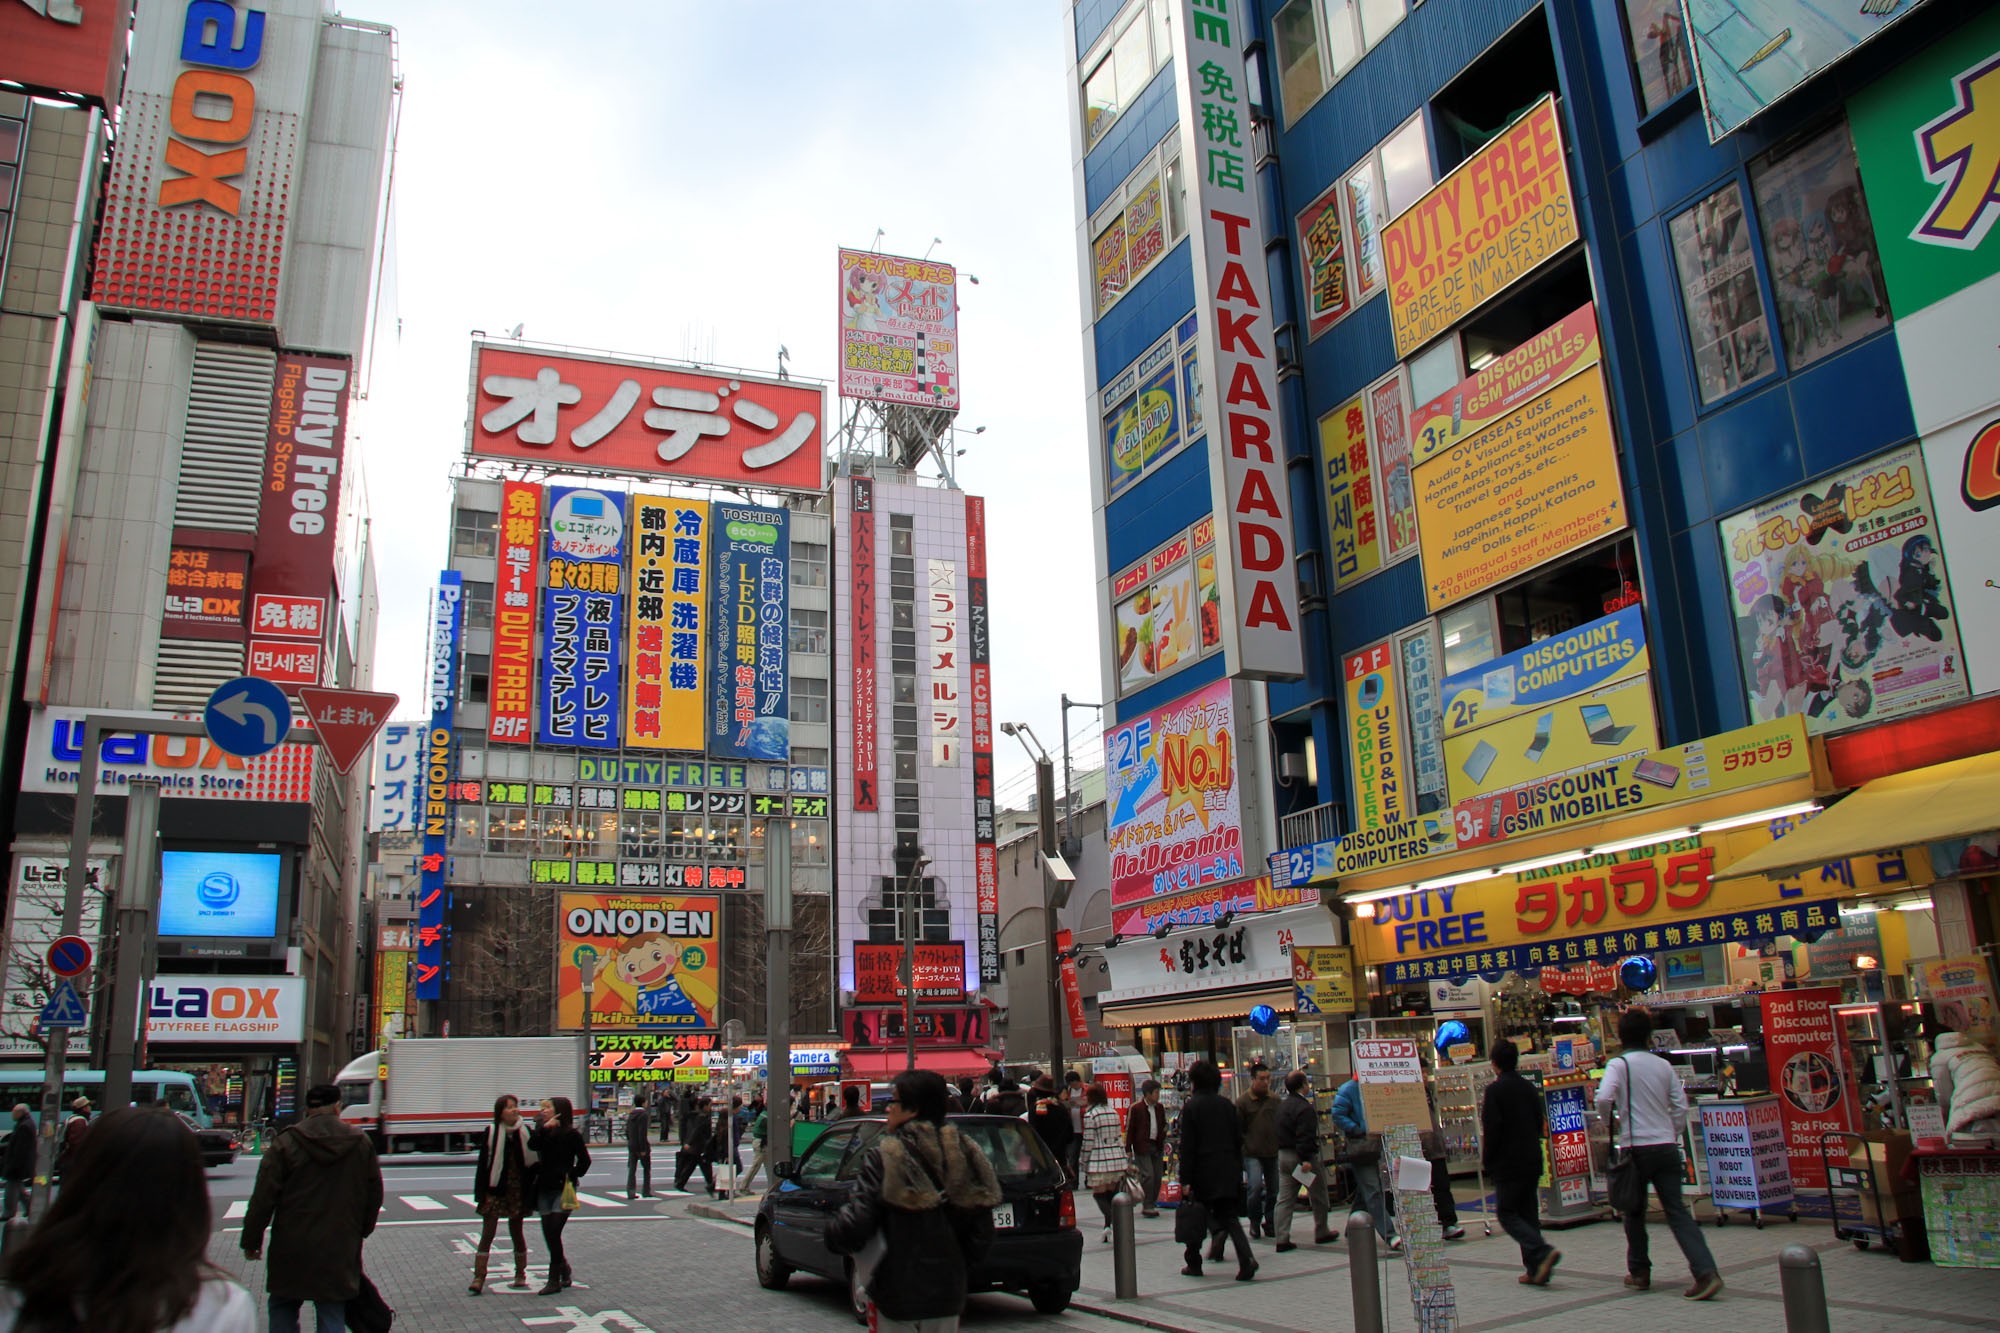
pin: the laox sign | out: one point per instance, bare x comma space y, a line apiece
211, 43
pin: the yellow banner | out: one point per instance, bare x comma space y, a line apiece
667, 664
1479, 400
1584, 732
392, 990
1323, 979
1352, 524
1535, 485
1375, 738
1504, 212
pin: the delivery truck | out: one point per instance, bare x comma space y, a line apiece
436, 1094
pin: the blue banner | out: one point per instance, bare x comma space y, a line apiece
435, 819
1547, 671
583, 617
749, 703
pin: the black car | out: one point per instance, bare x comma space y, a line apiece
1037, 1250
218, 1146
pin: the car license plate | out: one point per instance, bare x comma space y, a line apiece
1003, 1216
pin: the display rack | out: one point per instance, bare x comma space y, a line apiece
1433, 1299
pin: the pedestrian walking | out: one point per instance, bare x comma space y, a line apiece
968, 1097
20, 1170
1049, 1118
1007, 1099
1103, 1153
638, 1148
1146, 1138
503, 1186
1072, 1099
697, 1133
850, 1102
1258, 1110
1211, 1162
1510, 1134
1364, 1157
928, 1193
1432, 1144
760, 1134
564, 1160
1650, 1105
319, 1191
73, 1132
1299, 1149
124, 1248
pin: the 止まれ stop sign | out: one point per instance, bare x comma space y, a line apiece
346, 720
69, 955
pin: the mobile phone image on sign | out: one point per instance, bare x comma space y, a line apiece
1544, 728
1479, 761
1657, 772
1603, 728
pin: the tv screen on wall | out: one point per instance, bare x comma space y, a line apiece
230, 895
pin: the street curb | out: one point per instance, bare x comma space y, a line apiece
718, 1214
1123, 1317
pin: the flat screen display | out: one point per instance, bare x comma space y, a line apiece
219, 894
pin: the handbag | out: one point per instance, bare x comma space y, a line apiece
1191, 1222
1364, 1150
368, 1312
569, 1196
1627, 1192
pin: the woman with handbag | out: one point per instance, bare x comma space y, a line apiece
503, 1185
563, 1161
1104, 1162
1211, 1165
1650, 1106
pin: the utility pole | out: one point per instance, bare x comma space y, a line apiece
909, 919
778, 992
1045, 808
1069, 801
138, 891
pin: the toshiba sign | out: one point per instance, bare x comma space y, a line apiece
197, 206
243, 1011
1238, 353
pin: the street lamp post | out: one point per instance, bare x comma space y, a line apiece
1045, 810
1068, 802
585, 959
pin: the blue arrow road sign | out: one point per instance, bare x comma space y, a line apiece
248, 716
65, 1008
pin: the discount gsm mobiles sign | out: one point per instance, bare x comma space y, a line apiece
196, 209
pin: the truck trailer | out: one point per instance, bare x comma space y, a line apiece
436, 1094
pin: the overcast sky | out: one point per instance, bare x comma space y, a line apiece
673, 179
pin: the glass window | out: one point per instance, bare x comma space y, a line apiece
1819, 246
1107, 262
474, 532
1100, 100
1661, 62
1343, 35
1377, 17
906, 767
810, 842
1719, 293
1434, 370
639, 835
508, 829
809, 564
468, 824
809, 630
1364, 217
1470, 636
726, 843
1132, 53
899, 541
478, 602
809, 756
1418, 649
12, 134
1163, 43
808, 699
822, 1160
1176, 200
1406, 166
1299, 79
473, 682
680, 838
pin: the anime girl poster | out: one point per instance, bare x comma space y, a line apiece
653, 961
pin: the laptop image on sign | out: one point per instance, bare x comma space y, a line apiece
1544, 725
1603, 729
1479, 762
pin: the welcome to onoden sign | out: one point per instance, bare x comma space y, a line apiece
1237, 362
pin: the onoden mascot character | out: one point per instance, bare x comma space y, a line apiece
646, 978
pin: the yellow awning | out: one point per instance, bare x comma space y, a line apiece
1198, 1008
1956, 800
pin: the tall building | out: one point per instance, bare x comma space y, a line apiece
1596, 398
188, 504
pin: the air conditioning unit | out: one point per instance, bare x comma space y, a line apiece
1292, 766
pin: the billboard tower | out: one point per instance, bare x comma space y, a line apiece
899, 384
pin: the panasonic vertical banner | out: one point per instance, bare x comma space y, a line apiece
509, 710
749, 699
1239, 375
979, 646
436, 823
861, 602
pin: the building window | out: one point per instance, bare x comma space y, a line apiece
809, 630
13, 146
1819, 246
1139, 223
809, 756
1720, 296
810, 842
727, 844
477, 600
639, 835
681, 837
477, 673
1300, 78
1340, 232
808, 699
900, 540
475, 532
1121, 65
809, 564
1662, 65
510, 829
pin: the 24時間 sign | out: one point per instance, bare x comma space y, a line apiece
670, 539
604, 414
582, 614
748, 689
1251, 497
436, 821
510, 705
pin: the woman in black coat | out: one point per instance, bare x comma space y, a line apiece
503, 1185
1211, 1157
563, 1160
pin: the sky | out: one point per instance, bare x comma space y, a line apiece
673, 180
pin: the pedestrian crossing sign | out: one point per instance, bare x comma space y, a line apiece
65, 1007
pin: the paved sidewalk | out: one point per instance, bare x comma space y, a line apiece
1311, 1286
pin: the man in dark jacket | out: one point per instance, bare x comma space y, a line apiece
697, 1135
20, 1172
1298, 1146
319, 1190
638, 1148
1146, 1136
1211, 1161
1510, 1125
1050, 1120
929, 1193
1258, 1110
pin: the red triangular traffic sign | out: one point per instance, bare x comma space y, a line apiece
346, 720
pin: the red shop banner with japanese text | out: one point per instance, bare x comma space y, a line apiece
298, 516
509, 709
1814, 1087
632, 416
1079, 1025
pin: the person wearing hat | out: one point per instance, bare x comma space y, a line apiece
319, 1190
73, 1131
1050, 1119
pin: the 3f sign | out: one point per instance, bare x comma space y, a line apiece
212, 106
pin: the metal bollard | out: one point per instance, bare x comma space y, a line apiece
15, 1230
1124, 1248
1804, 1289
1365, 1273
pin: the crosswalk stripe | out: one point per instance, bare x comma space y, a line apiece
597, 1201
423, 1203
236, 1209
466, 1199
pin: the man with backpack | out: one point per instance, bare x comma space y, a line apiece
73, 1131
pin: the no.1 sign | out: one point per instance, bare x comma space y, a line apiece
69, 955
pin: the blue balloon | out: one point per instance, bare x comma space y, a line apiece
1263, 1020
1638, 973
1451, 1032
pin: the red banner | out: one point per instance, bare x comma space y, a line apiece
80, 52
861, 601
986, 862
878, 972
509, 711
1117, 1094
1802, 1052
291, 577
1079, 1026
205, 593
